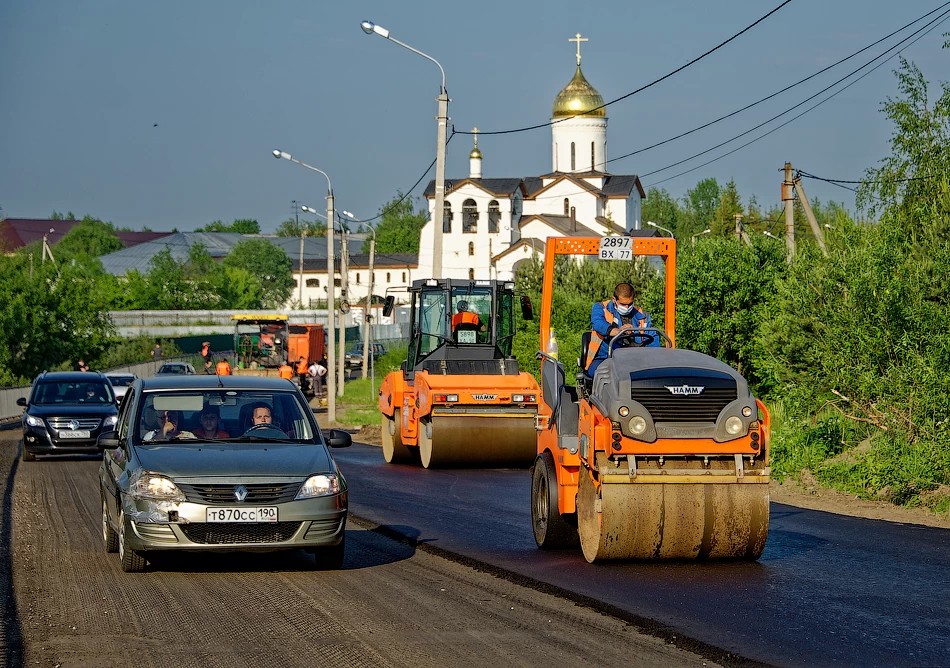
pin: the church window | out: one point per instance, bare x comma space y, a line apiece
567, 206
336, 282
357, 278
573, 156
471, 274
313, 282
494, 215
388, 277
469, 217
447, 218
471, 248
403, 277
592, 165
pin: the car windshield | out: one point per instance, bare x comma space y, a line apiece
236, 416
124, 381
95, 392
172, 368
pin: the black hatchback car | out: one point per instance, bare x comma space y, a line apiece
66, 412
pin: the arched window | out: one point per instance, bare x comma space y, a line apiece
494, 215
313, 282
447, 217
471, 274
357, 278
388, 278
471, 248
567, 206
469, 217
573, 156
592, 165
403, 277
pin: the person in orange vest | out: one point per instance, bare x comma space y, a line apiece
612, 316
302, 375
286, 371
464, 316
223, 368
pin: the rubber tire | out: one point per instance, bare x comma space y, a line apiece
26, 455
132, 561
109, 536
552, 531
394, 452
330, 558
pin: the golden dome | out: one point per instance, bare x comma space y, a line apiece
577, 98
475, 153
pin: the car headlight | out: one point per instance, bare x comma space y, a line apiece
324, 484
154, 487
34, 421
733, 425
111, 421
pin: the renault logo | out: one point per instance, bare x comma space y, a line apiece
240, 492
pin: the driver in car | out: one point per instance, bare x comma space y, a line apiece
611, 317
261, 415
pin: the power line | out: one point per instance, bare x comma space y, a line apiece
642, 88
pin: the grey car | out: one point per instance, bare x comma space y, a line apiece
229, 463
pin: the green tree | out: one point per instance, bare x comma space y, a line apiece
90, 238
660, 207
240, 226
269, 264
398, 231
724, 219
701, 204
294, 228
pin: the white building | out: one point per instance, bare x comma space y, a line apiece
490, 225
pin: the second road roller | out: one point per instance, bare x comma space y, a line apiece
460, 398
662, 454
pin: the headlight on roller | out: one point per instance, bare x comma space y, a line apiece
325, 484
733, 425
155, 487
637, 425
624, 411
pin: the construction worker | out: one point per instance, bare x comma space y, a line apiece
286, 371
463, 316
302, 368
223, 368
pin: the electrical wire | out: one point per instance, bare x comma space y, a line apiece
917, 35
642, 88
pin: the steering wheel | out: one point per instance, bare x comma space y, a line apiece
637, 338
266, 426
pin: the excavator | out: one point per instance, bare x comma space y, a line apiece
460, 398
662, 454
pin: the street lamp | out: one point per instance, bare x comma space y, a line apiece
699, 234
331, 316
770, 235
371, 28
367, 359
659, 227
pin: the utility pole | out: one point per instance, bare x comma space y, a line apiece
741, 234
369, 304
788, 197
344, 308
46, 249
297, 223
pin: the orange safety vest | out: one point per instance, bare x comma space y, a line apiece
223, 368
464, 318
285, 371
302, 367
596, 339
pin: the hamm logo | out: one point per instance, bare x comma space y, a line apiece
484, 397
685, 390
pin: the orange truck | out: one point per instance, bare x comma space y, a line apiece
663, 453
307, 341
460, 398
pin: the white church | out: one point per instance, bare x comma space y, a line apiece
490, 225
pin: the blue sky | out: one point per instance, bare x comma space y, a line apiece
83, 85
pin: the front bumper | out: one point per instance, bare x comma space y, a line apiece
311, 523
38, 441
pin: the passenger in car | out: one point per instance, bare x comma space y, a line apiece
169, 426
210, 424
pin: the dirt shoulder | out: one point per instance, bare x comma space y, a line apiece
792, 493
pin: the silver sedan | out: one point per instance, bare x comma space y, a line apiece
220, 463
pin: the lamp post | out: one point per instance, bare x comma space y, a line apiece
331, 302
371, 28
367, 359
659, 227
297, 222
769, 234
699, 234
344, 306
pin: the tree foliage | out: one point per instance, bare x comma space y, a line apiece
240, 226
398, 230
269, 264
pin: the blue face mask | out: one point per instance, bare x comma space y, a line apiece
624, 310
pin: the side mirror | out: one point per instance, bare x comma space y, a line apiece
107, 440
388, 305
527, 312
21, 401
339, 439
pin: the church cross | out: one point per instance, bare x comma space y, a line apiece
577, 38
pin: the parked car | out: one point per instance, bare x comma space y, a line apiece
193, 465
120, 383
66, 412
354, 356
175, 369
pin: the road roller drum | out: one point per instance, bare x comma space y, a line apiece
494, 439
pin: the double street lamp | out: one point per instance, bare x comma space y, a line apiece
438, 217
331, 315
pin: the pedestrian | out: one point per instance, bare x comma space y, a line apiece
157, 351
317, 371
82, 366
302, 376
207, 356
223, 368
286, 371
